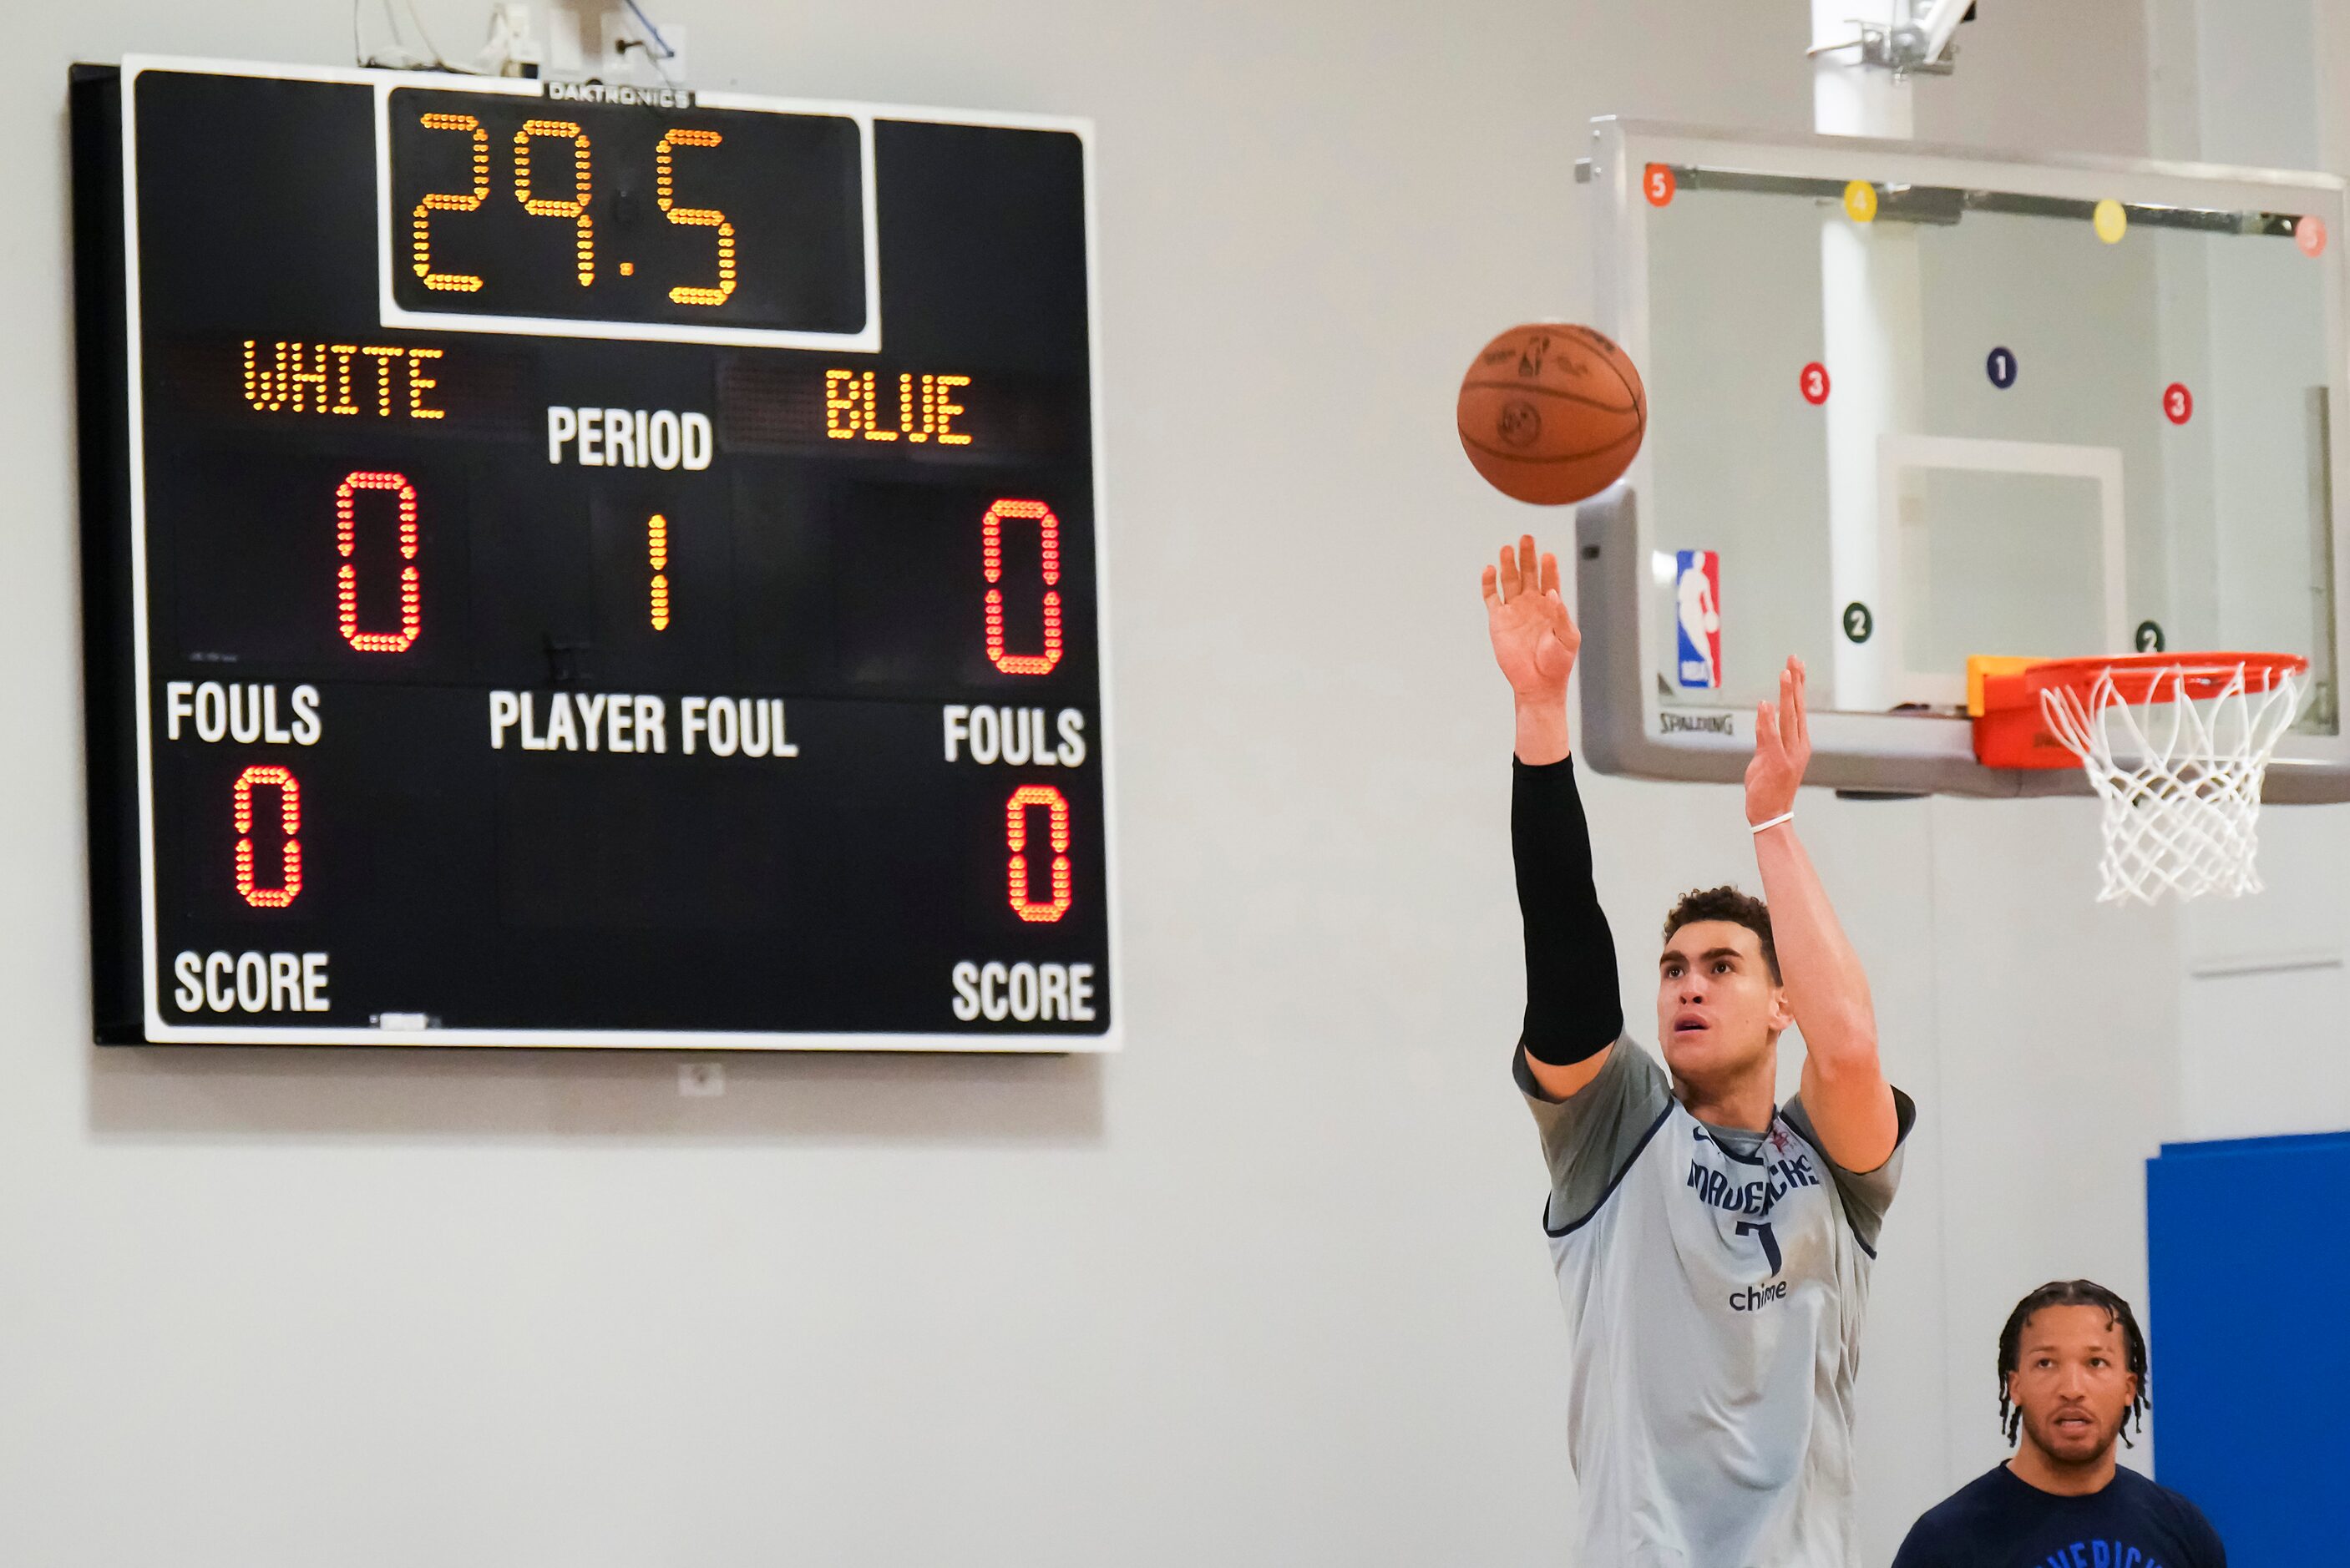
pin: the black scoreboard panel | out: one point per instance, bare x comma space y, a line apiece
575, 572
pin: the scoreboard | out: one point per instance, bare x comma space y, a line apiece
583, 565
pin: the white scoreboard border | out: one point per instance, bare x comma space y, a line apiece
161, 1031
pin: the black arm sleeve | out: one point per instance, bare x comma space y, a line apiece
1573, 1011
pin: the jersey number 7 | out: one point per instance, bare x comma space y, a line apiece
1762, 1228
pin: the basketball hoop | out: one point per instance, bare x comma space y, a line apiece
2175, 745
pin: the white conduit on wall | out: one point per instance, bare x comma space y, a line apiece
1872, 320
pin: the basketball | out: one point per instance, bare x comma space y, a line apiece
1552, 413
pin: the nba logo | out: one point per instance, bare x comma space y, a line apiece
1697, 604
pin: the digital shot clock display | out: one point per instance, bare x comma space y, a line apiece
568, 571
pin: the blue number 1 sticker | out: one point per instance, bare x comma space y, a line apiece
2000, 367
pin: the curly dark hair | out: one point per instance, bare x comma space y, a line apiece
2072, 1293
1727, 903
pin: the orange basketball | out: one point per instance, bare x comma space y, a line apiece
1552, 413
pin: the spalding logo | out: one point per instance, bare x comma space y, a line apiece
1696, 724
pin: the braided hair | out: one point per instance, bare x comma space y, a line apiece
2072, 1293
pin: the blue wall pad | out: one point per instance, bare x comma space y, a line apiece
2247, 1245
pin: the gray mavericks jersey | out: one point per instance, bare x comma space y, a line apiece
1715, 1282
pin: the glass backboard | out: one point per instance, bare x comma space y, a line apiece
1909, 404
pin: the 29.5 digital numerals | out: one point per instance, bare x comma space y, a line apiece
537, 155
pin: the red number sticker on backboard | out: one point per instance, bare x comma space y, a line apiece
1657, 185
1814, 383
2177, 403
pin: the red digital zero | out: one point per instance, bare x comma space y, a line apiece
1015, 840
991, 547
263, 775
346, 576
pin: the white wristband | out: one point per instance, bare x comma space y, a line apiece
1783, 817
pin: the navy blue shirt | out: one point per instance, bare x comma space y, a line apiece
2000, 1522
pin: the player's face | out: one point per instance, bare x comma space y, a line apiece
2071, 1381
1718, 1009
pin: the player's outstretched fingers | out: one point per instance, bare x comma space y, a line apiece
1492, 589
1509, 574
1562, 619
1529, 564
1549, 574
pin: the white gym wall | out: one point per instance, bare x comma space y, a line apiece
1268, 1288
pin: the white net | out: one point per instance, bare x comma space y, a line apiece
2176, 754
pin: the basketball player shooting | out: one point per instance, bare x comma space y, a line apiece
1712, 1247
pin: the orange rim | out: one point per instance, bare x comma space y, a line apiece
2145, 678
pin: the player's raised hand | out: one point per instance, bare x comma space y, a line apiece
1535, 639
1782, 748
